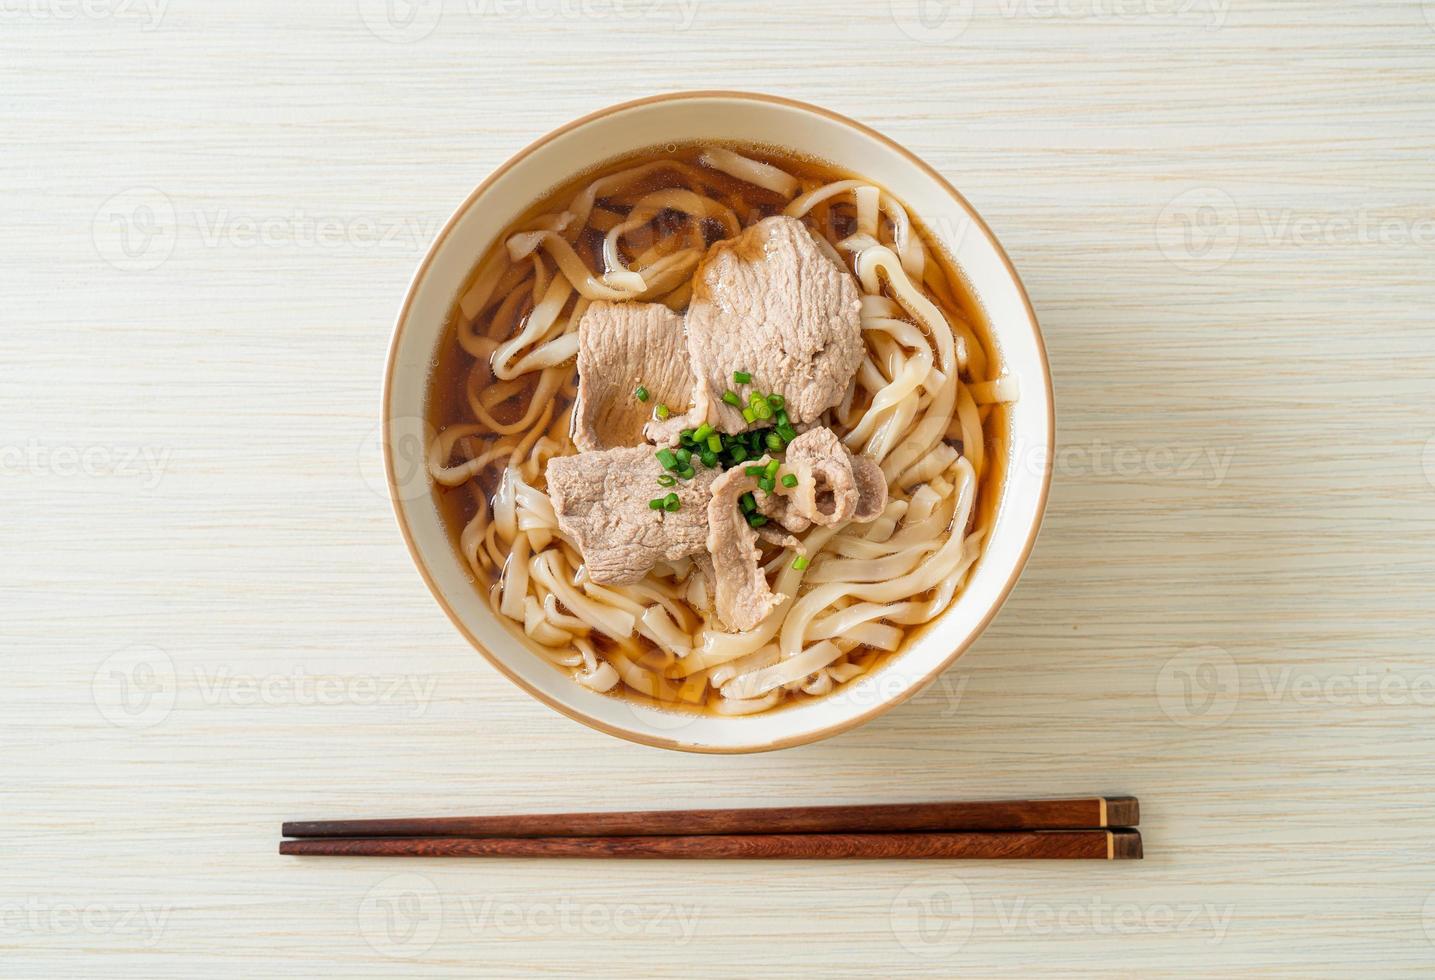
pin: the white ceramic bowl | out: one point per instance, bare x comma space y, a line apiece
744, 117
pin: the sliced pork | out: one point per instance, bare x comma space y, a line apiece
834, 485
769, 303
601, 499
621, 347
742, 595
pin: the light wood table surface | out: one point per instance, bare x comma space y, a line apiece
1225, 215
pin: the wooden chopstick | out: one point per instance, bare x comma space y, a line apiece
1098, 845
1006, 815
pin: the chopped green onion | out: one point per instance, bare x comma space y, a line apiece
666, 457
747, 502
777, 401
702, 432
754, 470
787, 432
671, 502
641, 394
686, 437
772, 466
709, 459
782, 418
775, 442
667, 480
736, 453
661, 412
687, 472
731, 398
715, 442
756, 520
790, 480
741, 377
684, 455
749, 416
766, 484
656, 503
800, 562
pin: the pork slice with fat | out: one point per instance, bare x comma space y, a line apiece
621, 347
771, 303
601, 500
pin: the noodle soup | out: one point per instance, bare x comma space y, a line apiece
924, 406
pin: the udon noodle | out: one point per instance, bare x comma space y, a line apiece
925, 404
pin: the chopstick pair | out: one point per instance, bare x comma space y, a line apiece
1094, 828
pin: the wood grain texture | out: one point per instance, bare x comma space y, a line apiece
1021, 845
210, 624
1076, 814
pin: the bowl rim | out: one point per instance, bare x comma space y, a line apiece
644, 738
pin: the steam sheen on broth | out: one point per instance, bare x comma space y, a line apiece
925, 405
